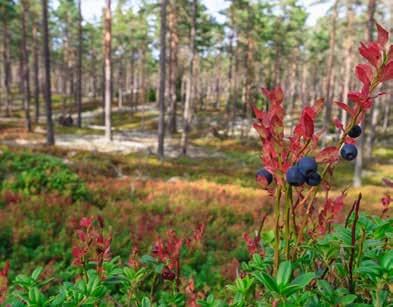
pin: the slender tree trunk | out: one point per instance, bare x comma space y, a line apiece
36, 68
387, 113
230, 73
25, 66
388, 100
217, 85
161, 122
188, 103
277, 65
173, 61
372, 130
330, 63
348, 58
50, 135
357, 180
143, 85
303, 88
249, 70
132, 84
79, 67
95, 78
7, 66
108, 70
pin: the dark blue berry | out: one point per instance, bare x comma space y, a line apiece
355, 132
308, 165
349, 152
313, 179
295, 176
266, 174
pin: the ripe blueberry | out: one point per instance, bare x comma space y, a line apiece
349, 152
295, 176
308, 165
265, 174
355, 132
314, 179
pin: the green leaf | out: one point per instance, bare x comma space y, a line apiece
284, 273
268, 237
289, 290
36, 273
267, 281
346, 300
145, 302
147, 259
325, 287
387, 261
303, 280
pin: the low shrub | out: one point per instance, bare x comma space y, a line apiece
32, 174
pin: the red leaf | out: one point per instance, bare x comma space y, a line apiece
371, 52
259, 114
383, 35
338, 204
275, 96
308, 125
328, 155
338, 123
364, 73
4, 271
86, 222
387, 72
345, 107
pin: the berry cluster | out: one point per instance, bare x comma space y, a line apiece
305, 171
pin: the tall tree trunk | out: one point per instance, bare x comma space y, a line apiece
132, 83
173, 61
235, 88
357, 180
371, 136
108, 70
161, 122
388, 100
50, 135
79, 67
7, 65
36, 68
386, 115
25, 66
329, 65
230, 75
305, 94
143, 85
188, 103
249, 70
217, 85
94, 67
348, 58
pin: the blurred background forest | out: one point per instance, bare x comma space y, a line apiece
147, 104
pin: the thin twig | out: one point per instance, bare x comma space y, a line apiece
351, 285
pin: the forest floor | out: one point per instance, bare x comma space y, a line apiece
142, 196
222, 161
